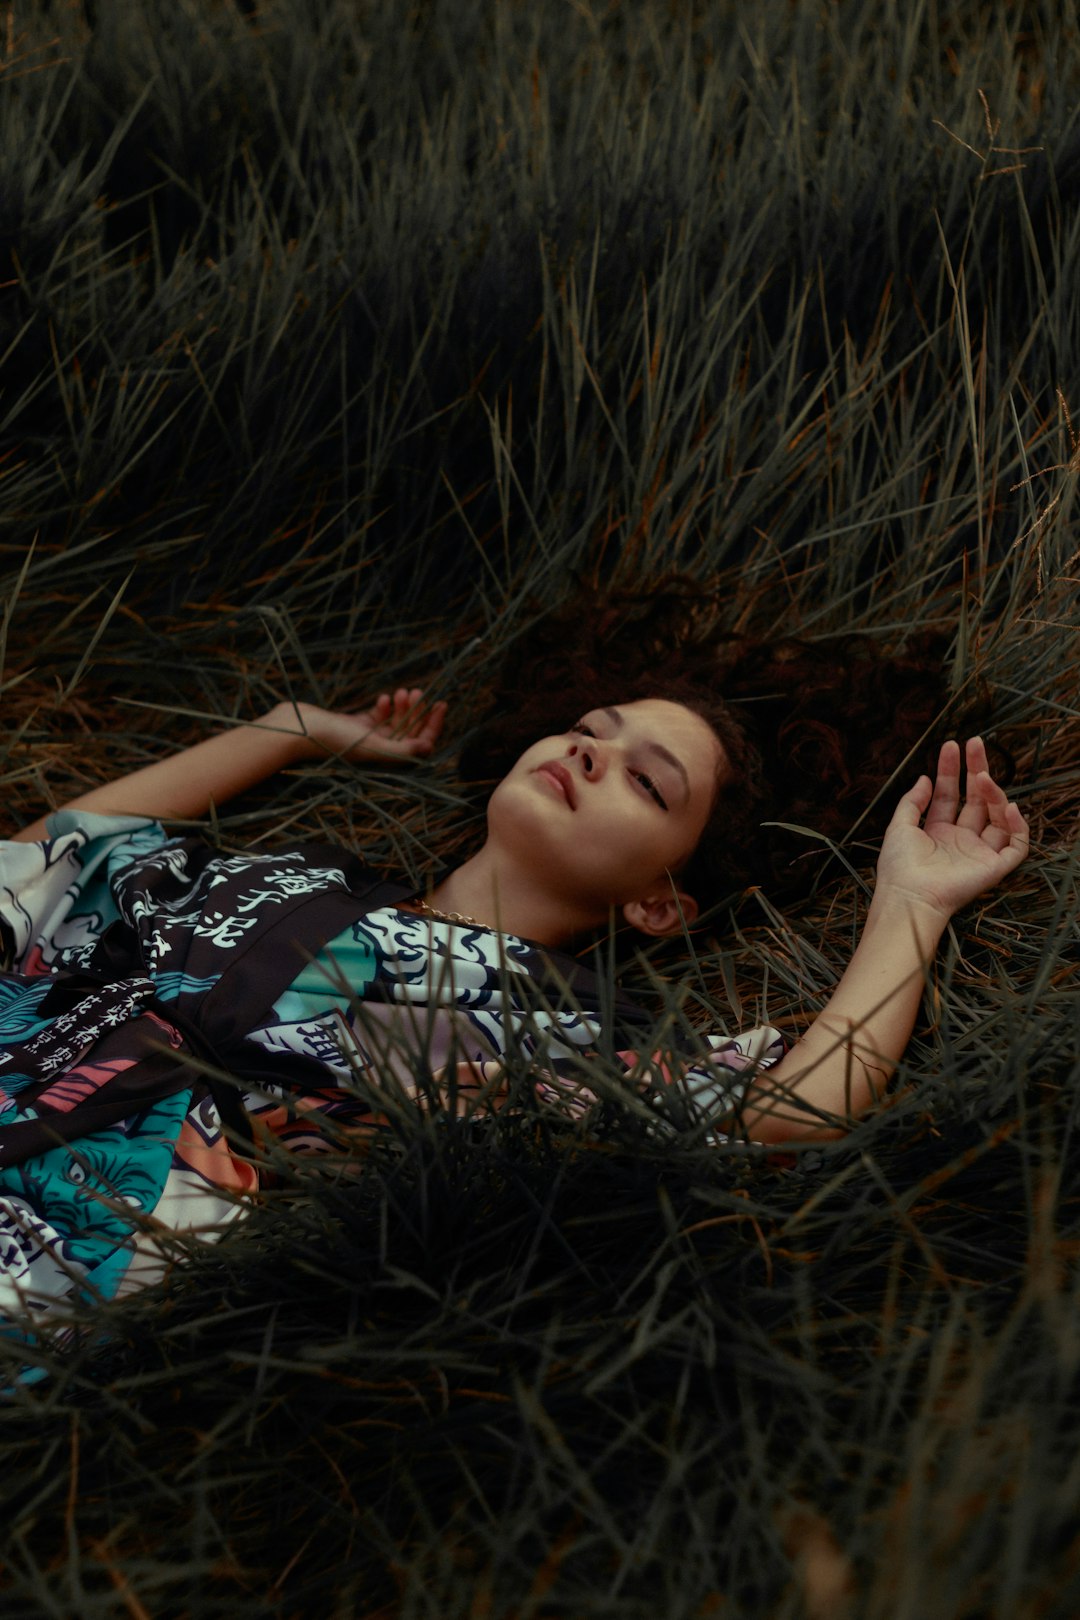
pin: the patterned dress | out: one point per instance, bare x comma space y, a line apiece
140, 970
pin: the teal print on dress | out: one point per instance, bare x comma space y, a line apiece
170, 986
18, 1008
337, 976
91, 1189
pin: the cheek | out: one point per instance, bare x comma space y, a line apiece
627, 850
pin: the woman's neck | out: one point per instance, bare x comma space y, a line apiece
494, 893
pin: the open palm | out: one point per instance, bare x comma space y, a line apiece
957, 852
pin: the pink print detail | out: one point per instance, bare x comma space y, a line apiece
632, 1059
566, 1094
34, 964
81, 1082
210, 1158
728, 1056
176, 1040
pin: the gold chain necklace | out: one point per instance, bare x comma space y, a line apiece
444, 916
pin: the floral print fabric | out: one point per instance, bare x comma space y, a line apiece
124, 949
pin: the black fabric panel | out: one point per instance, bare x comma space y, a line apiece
268, 963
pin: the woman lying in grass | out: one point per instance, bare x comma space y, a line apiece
142, 966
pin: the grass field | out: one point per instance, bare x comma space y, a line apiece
339, 339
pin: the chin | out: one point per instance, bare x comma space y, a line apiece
538, 836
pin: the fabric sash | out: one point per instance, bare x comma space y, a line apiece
189, 1040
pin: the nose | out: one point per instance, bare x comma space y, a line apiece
592, 755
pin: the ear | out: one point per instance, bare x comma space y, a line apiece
662, 912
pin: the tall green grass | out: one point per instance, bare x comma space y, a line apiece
336, 341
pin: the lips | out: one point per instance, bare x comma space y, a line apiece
560, 775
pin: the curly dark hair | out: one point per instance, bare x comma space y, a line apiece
813, 730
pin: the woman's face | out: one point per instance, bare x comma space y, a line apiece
607, 810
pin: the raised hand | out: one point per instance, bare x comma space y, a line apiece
399, 726
957, 852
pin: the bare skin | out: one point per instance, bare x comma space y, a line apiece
584, 791
397, 728
593, 819
925, 874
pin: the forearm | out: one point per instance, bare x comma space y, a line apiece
844, 1061
185, 785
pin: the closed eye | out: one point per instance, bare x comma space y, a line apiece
650, 787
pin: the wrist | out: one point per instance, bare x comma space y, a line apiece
284, 727
900, 908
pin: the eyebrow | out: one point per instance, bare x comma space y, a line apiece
658, 749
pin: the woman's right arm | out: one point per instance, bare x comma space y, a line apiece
185, 785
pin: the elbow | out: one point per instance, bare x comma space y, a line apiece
30, 835
784, 1133
775, 1128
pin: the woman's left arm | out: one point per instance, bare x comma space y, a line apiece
925, 874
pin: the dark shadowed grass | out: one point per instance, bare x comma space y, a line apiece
338, 340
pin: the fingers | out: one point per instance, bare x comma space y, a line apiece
987, 810
984, 804
1009, 837
1019, 837
409, 725
406, 700
975, 756
945, 801
984, 801
471, 1087
913, 806
434, 723
421, 724
429, 728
